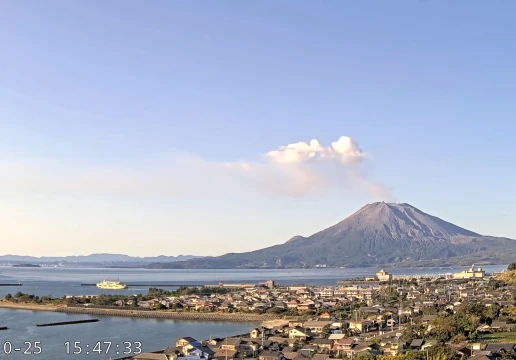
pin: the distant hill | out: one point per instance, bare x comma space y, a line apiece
377, 234
103, 259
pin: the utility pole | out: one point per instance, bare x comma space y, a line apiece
227, 347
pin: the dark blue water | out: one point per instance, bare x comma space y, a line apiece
152, 334
66, 281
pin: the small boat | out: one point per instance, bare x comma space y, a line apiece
111, 285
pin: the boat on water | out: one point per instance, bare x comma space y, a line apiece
111, 285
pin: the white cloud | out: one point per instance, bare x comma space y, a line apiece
344, 150
308, 167
297, 169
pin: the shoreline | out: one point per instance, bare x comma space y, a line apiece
24, 306
169, 315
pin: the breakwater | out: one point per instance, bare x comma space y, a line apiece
69, 322
158, 285
10, 284
3, 327
170, 314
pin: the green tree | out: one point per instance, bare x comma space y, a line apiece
8, 297
512, 266
326, 331
441, 352
364, 356
160, 306
412, 331
458, 338
443, 328
492, 312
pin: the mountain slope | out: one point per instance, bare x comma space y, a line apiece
377, 234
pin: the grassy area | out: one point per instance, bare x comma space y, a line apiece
501, 337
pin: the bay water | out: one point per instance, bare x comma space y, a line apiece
151, 333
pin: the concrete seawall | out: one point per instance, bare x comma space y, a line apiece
170, 315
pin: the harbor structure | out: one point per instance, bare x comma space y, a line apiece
471, 273
383, 275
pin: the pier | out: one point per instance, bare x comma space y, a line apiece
18, 284
69, 322
3, 327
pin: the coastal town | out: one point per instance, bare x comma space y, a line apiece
469, 314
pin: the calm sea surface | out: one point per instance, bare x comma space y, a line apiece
153, 334
67, 281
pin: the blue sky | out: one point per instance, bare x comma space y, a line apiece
144, 128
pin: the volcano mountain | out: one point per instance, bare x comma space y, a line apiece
378, 234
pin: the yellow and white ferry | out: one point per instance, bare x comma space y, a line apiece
111, 285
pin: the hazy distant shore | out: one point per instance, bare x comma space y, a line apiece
191, 316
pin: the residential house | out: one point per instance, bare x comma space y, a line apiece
344, 346
271, 355
223, 354
498, 325
373, 349
299, 333
336, 337
325, 316
306, 306
416, 344
186, 343
321, 357
499, 348
296, 323
230, 344
279, 340
326, 292
316, 327
150, 356
391, 345
200, 351
362, 326
322, 344
390, 322
172, 352
407, 311
292, 304
258, 333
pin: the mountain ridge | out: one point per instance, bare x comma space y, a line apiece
377, 234
94, 258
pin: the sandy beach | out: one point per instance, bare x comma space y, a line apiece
24, 306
